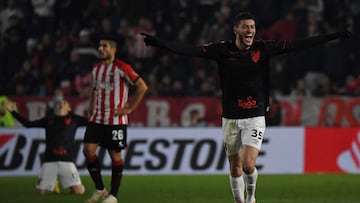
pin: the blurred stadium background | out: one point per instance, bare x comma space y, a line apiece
47, 48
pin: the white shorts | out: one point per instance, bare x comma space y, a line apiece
239, 132
65, 172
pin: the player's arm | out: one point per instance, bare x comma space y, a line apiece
295, 45
140, 90
178, 48
11, 106
92, 99
92, 94
81, 121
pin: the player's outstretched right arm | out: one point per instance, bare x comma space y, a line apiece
12, 107
182, 49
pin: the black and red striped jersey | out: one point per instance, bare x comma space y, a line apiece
243, 76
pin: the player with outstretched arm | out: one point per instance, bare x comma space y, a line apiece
244, 77
58, 162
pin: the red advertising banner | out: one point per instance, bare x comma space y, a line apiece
152, 112
170, 111
332, 150
178, 111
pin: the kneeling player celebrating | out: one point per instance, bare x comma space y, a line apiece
60, 137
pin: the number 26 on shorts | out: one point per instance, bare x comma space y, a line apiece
118, 135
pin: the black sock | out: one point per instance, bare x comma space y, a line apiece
93, 167
116, 175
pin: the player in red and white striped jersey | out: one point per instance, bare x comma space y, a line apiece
108, 113
111, 82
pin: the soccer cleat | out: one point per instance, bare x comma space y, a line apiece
97, 195
110, 199
56, 187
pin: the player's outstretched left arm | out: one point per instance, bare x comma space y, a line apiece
178, 48
305, 43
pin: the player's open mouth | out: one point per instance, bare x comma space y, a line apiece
248, 38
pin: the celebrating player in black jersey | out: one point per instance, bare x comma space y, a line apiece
58, 160
244, 77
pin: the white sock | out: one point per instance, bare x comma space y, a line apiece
237, 188
250, 185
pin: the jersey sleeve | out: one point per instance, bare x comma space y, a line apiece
212, 50
287, 46
209, 51
29, 124
93, 77
81, 121
130, 74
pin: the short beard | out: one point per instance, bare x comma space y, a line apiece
104, 58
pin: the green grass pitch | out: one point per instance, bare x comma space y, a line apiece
199, 189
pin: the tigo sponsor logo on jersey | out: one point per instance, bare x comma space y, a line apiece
248, 104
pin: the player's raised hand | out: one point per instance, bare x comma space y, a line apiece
123, 111
11, 106
151, 40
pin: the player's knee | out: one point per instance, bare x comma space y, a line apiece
235, 166
41, 191
249, 167
78, 189
235, 171
88, 152
85, 152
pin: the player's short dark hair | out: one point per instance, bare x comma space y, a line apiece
113, 39
243, 16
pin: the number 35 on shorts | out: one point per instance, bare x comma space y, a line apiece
257, 134
118, 136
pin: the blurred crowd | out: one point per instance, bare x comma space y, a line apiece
47, 45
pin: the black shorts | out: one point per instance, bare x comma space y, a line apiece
107, 136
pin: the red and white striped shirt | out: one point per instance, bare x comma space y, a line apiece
112, 84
